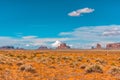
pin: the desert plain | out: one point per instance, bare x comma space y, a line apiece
59, 64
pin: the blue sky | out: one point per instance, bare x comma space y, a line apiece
31, 23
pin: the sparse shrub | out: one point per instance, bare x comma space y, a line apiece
19, 57
94, 68
118, 59
2, 62
53, 67
1, 69
44, 60
79, 58
113, 64
27, 68
114, 70
83, 66
36, 60
52, 57
11, 55
9, 63
88, 60
19, 63
74, 64
24, 57
66, 58
101, 61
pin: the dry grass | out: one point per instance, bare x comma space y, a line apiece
59, 65
94, 68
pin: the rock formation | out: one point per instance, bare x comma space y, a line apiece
113, 46
20, 48
42, 48
7, 47
63, 46
98, 46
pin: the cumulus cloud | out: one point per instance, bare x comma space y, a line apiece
81, 37
110, 30
27, 45
79, 12
28, 42
29, 37
56, 43
115, 31
94, 34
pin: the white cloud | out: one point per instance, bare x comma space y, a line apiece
65, 33
56, 43
81, 37
88, 35
79, 12
29, 37
115, 31
27, 45
85, 31
28, 42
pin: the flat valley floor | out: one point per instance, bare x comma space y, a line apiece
59, 64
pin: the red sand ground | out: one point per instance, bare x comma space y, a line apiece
59, 65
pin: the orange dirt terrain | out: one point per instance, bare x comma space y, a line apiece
59, 65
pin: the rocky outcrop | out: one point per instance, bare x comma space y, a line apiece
20, 48
98, 46
7, 47
63, 46
42, 48
113, 46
